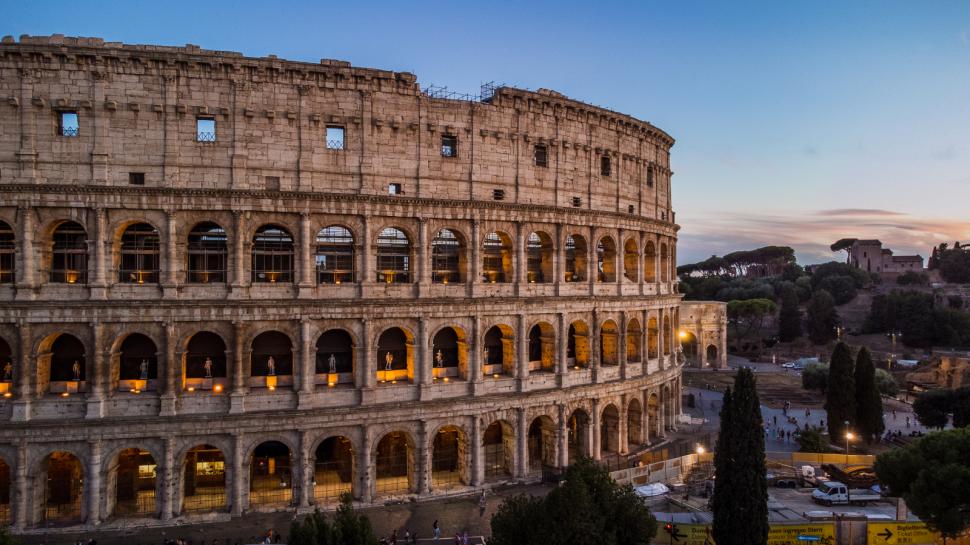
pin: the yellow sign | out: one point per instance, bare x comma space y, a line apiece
683, 534
899, 533
822, 533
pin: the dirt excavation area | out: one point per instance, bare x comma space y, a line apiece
775, 385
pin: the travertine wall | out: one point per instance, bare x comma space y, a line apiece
706, 323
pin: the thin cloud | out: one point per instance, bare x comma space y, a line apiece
858, 212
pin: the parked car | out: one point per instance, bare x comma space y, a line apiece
836, 493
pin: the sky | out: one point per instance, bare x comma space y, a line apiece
797, 123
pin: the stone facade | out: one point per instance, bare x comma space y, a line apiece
703, 333
870, 256
236, 284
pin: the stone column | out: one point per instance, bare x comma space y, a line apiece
25, 273
172, 370
620, 262
521, 268
365, 468
477, 454
621, 355
364, 251
168, 479
94, 483
662, 417
522, 353
21, 498
424, 258
563, 437
238, 394
101, 249
305, 470
661, 339
238, 480
594, 347
645, 416
366, 372
592, 261
622, 425
521, 444
475, 363
559, 259
240, 276
475, 276
422, 372
96, 373
170, 281
308, 363
561, 350
423, 456
25, 394
596, 447
307, 257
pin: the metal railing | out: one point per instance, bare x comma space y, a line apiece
205, 137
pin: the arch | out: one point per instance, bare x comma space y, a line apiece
497, 258
204, 365
61, 483
204, 479
606, 260
712, 355
449, 458
610, 430
69, 254
668, 336
333, 469
577, 429
5, 518
634, 341
609, 343
576, 258
6, 364
393, 256
334, 257
650, 262
447, 257
631, 260
8, 254
395, 355
270, 475
449, 349
689, 346
272, 255
139, 259
132, 484
653, 415
577, 345
498, 352
539, 258
271, 357
542, 443
68, 366
394, 464
335, 355
634, 423
498, 446
664, 263
207, 254
653, 338
542, 347
137, 361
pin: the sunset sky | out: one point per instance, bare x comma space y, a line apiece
797, 123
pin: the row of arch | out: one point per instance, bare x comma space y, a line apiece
203, 360
138, 258
274, 475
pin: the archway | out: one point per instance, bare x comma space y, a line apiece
69, 254
333, 473
5, 518
335, 357
542, 348
270, 476
393, 256
610, 430
8, 254
498, 444
542, 444
204, 480
578, 435
539, 258
139, 260
63, 490
606, 260
447, 258
205, 362
271, 360
334, 255
133, 480
395, 356
576, 258
449, 459
449, 354
688, 344
634, 423
577, 345
668, 335
634, 341
272, 255
609, 349
67, 365
137, 365
207, 254
653, 414
653, 338
6, 368
394, 464
712, 355
650, 262
497, 258
664, 264
498, 354
631, 260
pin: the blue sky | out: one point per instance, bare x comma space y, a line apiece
796, 122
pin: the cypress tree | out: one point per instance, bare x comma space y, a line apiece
789, 317
740, 503
840, 394
868, 401
822, 317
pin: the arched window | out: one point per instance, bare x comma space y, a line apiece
67, 363
606, 260
394, 352
393, 256
650, 262
335, 255
272, 355
272, 255
139, 359
7, 254
664, 264
205, 356
69, 254
497, 258
539, 258
207, 254
631, 260
446, 258
139, 255
335, 355
575, 259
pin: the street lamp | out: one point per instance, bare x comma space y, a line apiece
700, 449
848, 437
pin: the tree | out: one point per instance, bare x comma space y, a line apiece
347, 528
840, 396
811, 440
932, 474
961, 407
815, 376
886, 383
6, 538
741, 518
822, 317
913, 278
868, 399
843, 244
933, 407
955, 265
747, 317
841, 286
588, 507
789, 317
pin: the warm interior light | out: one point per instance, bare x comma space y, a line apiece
700, 449
65, 394
191, 388
7, 394
393, 382
446, 379
330, 384
495, 375
70, 276
217, 388
849, 436
271, 387
683, 334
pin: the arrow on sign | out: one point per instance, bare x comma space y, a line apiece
886, 534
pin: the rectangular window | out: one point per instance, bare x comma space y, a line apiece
205, 129
136, 178
272, 183
395, 189
540, 156
67, 124
498, 194
650, 177
335, 137
630, 209
449, 146
577, 202
606, 166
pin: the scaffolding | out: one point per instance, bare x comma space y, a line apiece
485, 94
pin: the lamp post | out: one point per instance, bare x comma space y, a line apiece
892, 336
848, 437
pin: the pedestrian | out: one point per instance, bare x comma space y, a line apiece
481, 504
907, 421
407, 536
775, 418
464, 538
437, 530
457, 539
894, 414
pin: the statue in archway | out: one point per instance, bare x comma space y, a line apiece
7, 372
439, 359
144, 369
271, 366
388, 361
485, 356
208, 367
76, 369
332, 362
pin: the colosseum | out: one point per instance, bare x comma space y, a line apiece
234, 284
